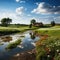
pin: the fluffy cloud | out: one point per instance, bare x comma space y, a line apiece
15, 18
29, 15
20, 10
23, 19
20, 1
36, 3
8, 14
17, 0
44, 8
57, 19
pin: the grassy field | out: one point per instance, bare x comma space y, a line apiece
11, 30
55, 33
48, 47
51, 28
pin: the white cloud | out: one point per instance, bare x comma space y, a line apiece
29, 15
44, 8
48, 19
20, 10
15, 18
23, 19
7, 14
17, 0
20, 1
36, 3
57, 19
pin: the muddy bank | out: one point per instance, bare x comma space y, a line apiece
28, 55
7, 32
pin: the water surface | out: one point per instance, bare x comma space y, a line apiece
26, 44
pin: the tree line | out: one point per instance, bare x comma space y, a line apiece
7, 21
33, 22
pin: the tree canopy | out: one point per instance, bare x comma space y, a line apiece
33, 21
52, 23
6, 21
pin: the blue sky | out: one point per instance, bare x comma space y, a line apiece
22, 11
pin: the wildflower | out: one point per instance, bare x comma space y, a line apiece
57, 50
48, 55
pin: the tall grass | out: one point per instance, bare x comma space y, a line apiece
48, 49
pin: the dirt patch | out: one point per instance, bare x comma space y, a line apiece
29, 55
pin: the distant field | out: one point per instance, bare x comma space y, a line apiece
50, 28
13, 29
10, 30
50, 32
53, 31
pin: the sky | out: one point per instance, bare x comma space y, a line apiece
23, 11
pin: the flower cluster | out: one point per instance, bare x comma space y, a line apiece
48, 49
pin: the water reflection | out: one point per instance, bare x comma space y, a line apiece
27, 44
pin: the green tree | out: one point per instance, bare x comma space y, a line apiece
33, 21
41, 24
6, 21
30, 26
52, 23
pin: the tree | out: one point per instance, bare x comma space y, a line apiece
30, 26
52, 23
41, 24
33, 21
6, 21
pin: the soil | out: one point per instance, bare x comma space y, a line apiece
28, 55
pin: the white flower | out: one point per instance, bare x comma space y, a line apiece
59, 53
48, 55
57, 50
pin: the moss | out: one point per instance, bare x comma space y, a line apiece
13, 45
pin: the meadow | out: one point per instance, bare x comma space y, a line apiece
48, 47
15, 29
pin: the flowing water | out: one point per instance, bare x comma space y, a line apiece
26, 44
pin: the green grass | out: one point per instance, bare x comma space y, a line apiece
56, 26
11, 30
49, 49
50, 32
7, 30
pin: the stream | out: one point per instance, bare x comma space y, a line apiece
26, 44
